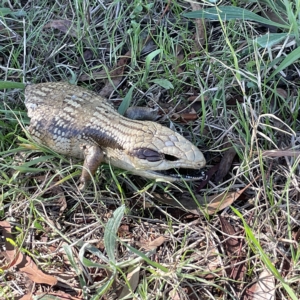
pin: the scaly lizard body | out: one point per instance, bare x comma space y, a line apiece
77, 122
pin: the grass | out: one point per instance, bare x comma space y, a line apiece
98, 242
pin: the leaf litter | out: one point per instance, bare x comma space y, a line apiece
24, 263
190, 209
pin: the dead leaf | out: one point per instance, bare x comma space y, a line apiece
28, 296
133, 278
263, 289
209, 175
296, 236
23, 262
218, 202
280, 153
286, 266
65, 26
87, 55
142, 113
185, 117
283, 93
225, 163
233, 248
200, 36
174, 295
61, 201
275, 17
115, 75
232, 244
234, 99
55, 191
153, 244
212, 204
28, 146
31, 270
124, 231
212, 264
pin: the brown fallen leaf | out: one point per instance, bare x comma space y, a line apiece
87, 55
210, 204
263, 289
212, 264
124, 231
65, 26
234, 99
97, 75
142, 113
148, 246
116, 76
200, 36
232, 244
28, 296
226, 162
209, 174
283, 93
286, 266
197, 99
276, 17
296, 235
23, 262
186, 117
218, 202
133, 278
59, 203
233, 248
174, 295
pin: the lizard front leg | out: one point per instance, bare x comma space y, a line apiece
93, 158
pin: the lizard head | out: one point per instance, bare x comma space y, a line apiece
159, 152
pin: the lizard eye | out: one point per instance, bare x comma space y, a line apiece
148, 154
152, 155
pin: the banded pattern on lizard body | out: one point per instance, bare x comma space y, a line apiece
77, 122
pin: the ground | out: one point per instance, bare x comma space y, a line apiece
228, 80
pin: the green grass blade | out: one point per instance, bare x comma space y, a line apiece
11, 85
254, 243
147, 259
4, 11
95, 251
104, 288
271, 39
290, 58
69, 253
126, 102
110, 234
149, 58
227, 13
164, 83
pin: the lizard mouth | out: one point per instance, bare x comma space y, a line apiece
183, 173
